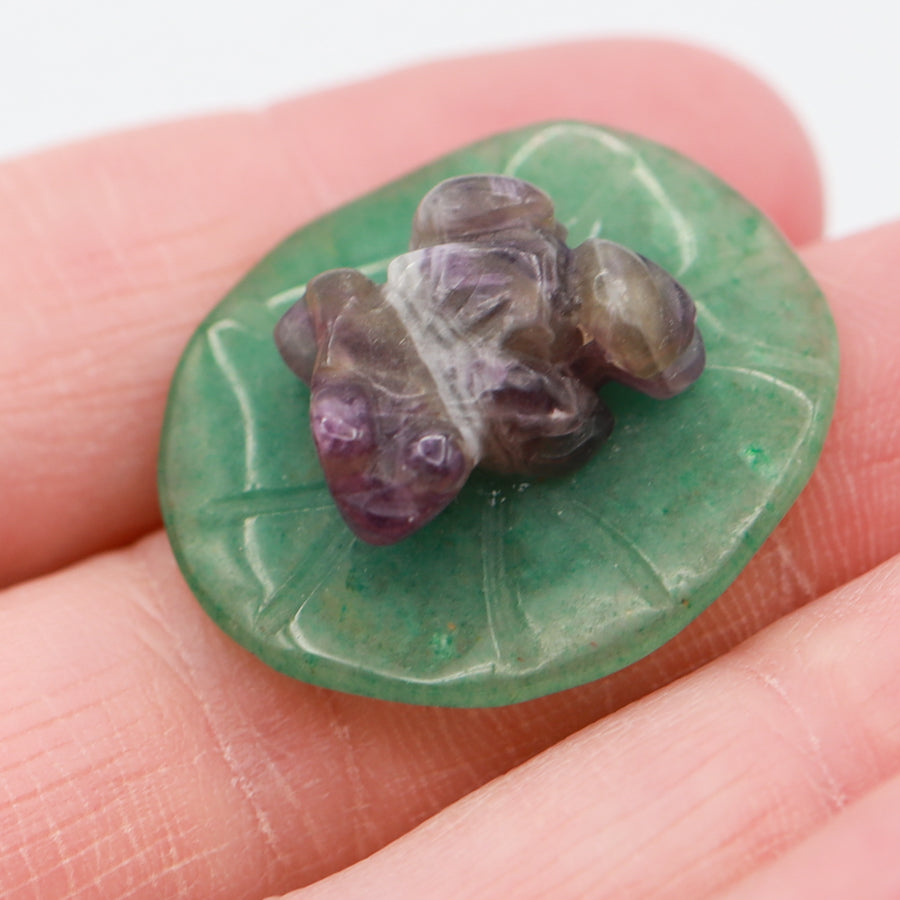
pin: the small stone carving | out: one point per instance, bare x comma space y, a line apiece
485, 347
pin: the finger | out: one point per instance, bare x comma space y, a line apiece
113, 250
125, 691
854, 855
689, 790
148, 754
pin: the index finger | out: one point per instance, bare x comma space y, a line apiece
114, 249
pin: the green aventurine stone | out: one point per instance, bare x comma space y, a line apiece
518, 589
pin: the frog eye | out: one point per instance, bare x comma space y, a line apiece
342, 422
437, 456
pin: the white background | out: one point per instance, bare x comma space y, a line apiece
70, 68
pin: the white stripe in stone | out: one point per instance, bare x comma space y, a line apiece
444, 352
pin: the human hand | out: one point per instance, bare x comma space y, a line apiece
143, 754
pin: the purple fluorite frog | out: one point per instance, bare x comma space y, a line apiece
485, 347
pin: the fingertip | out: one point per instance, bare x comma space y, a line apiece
697, 101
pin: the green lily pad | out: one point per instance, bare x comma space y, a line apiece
518, 589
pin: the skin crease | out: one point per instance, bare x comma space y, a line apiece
866, 833
143, 754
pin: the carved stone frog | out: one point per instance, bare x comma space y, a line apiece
485, 346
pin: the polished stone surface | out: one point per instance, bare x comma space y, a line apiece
519, 588
484, 347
